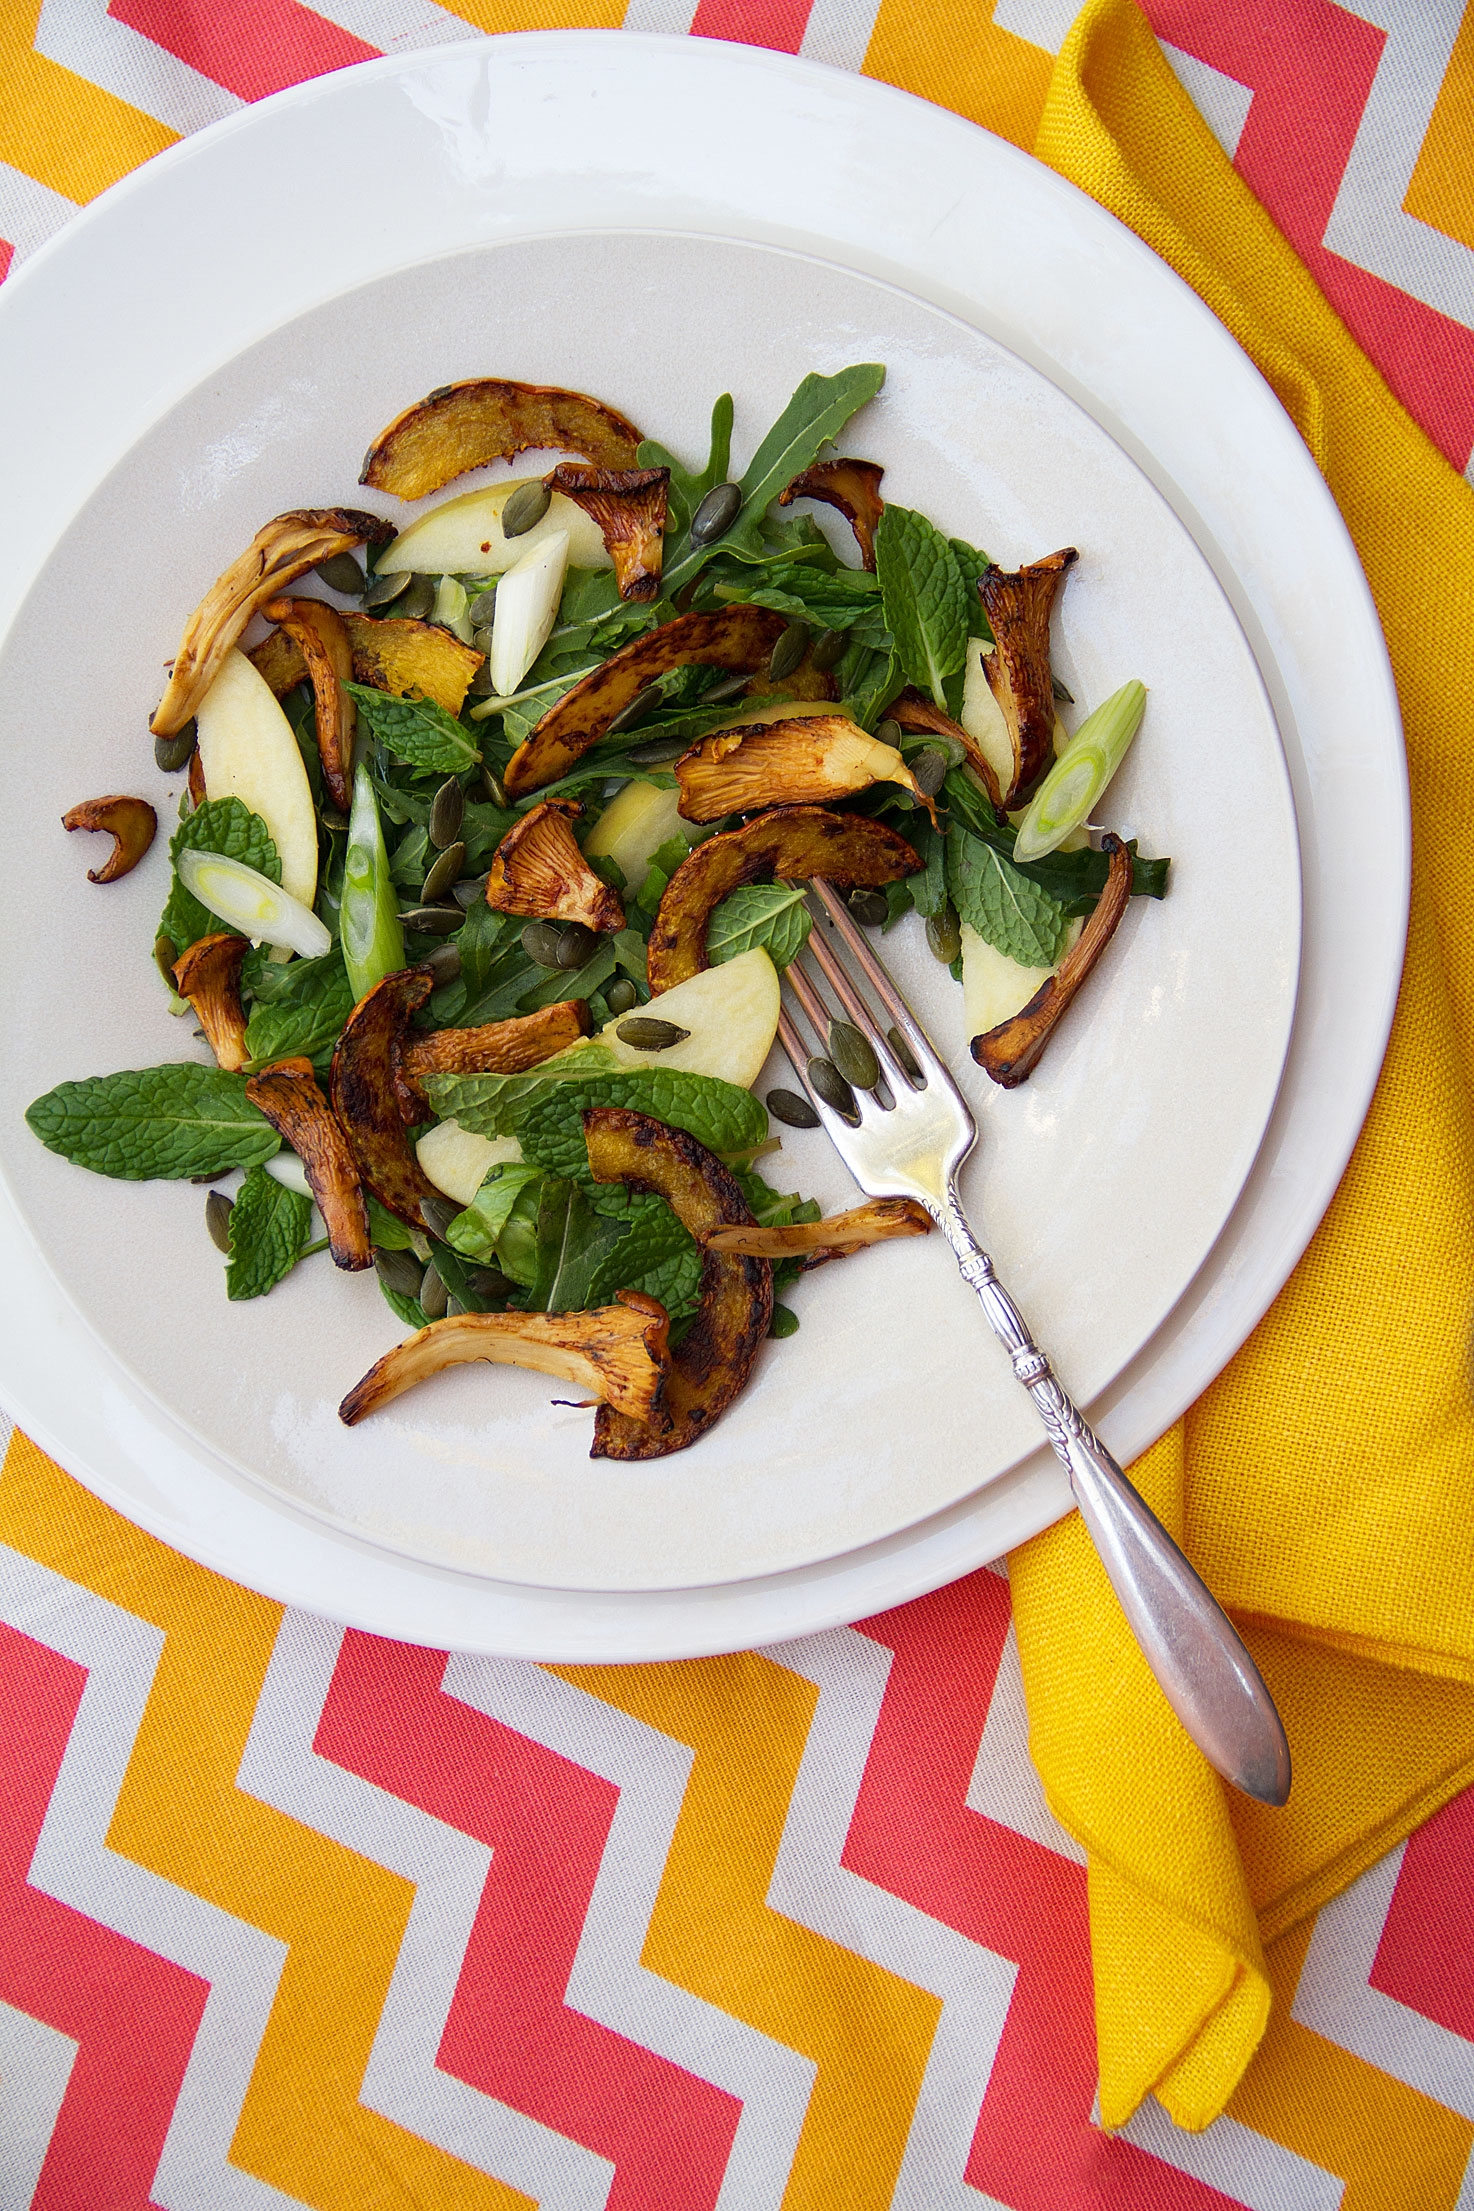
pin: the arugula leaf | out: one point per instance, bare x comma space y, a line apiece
598, 768
973, 564
847, 599
995, 898
770, 914
416, 730
474, 1232
224, 825
269, 1224
924, 597
386, 1231
869, 689
813, 418
155, 1123
687, 490
572, 1242
304, 1017
769, 1207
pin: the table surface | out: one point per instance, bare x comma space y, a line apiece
595, 1996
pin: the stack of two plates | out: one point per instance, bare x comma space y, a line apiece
1048, 383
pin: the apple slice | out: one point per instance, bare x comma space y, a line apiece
463, 537
731, 1012
248, 751
458, 1162
634, 825
526, 609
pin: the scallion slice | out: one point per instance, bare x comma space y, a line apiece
252, 903
369, 927
1069, 792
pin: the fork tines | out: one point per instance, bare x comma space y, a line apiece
856, 987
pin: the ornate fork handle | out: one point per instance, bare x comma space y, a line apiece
1205, 1673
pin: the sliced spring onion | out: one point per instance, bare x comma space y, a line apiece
369, 928
526, 609
252, 903
287, 1169
1069, 792
452, 601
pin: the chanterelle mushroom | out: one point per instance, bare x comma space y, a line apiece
1018, 606
209, 976
288, 1094
803, 760
851, 486
877, 1221
538, 870
130, 822
321, 636
493, 1048
1012, 1051
629, 506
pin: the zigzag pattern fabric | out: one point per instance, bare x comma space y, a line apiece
293, 1915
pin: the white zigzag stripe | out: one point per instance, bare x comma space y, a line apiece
608, 1983
673, 16
403, 2081
81, 35
73, 1863
397, 26
29, 213
35, 2065
839, 32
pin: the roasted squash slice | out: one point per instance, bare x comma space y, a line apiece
1018, 606
1012, 1051
538, 870
629, 505
792, 843
209, 976
736, 1292
130, 822
495, 1048
851, 486
802, 760
321, 636
288, 1094
617, 1353
365, 1098
463, 426
812, 1242
277, 555
736, 637
408, 658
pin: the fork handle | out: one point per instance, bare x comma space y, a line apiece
1187, 1639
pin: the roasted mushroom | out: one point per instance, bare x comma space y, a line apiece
812, 1242
538, 870
209, 976
402, 656
851, 486
463, 426
495, 1048
288, 1094
737, 637
280, 552
1012, 1051
629, 506
736, 1292
802, 760
365, 1098
616, 1352
130, 822
792, 843
321, 636
919, 716
1018, 606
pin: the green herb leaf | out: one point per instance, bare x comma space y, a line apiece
268, 1226
769, 914
973, 564
416, 730
475, 1231
655, 1255
493, 1105
924, 597
544, 1111
406, 1309
813, 418
572, 1242
155, 1123
219, 825
386, 1231
305, 1017
999, 901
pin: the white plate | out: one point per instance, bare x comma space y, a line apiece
527, 136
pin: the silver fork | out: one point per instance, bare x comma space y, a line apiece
909, 1140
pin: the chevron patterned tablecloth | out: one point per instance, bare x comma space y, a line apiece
291, 1915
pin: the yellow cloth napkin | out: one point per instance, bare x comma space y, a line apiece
1325, 1484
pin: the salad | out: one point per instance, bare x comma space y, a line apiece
493, 848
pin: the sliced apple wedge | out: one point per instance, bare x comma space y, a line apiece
632, 828
731, 1012
247, 751
526, 609
458, 1161
982, 717
463, 537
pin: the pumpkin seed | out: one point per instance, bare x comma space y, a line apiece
419, 599
646, 1034
576, 946
638, 705
830, 647
851, 1054
470, 893
480, 685
788, 651
341, 573
433, 921
659, 751
896, 1038
434, 1296
481, 639
728, 688
621, 995
716, 514
165, 955
526, 508
453, 1306
443, 873
333, 821
784, 1322
443, 964
438, 1213
482, 608
172, 753
930, 769
488, 1281
492, 786
218, 1209
868, 907
399, 1271
944, 936
447, 809
381, 590
789, 1107
826, 1078
890, 732
1066, 698
540, 941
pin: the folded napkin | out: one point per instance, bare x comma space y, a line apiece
1325, 1484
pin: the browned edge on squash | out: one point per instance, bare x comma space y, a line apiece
366, 1100
462, 426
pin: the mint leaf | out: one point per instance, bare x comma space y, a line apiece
416, 731
219, 825
155, 1123
769, 914
305, 1017
544, 1112
655, 1254
973, 564
924, 597
842, 599
474, 1232
386, 1231
999, 901
493, 1105
572, 1241
268, 1227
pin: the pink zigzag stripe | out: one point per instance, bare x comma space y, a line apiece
914, 1833
133, 2014
510, 2032
251, 47
1425, 1958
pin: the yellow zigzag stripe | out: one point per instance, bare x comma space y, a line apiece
58, 128
539, 15
180, 1814
991, 76
1441, 189
713, 1932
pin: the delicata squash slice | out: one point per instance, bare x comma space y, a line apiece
617, 1353
402, 656
537, 870
1012, 1051
629, 506
1018, 605
461, 426
287, 1093
495, 1048
281, 551
735, 1312
801, 760
366, 1100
